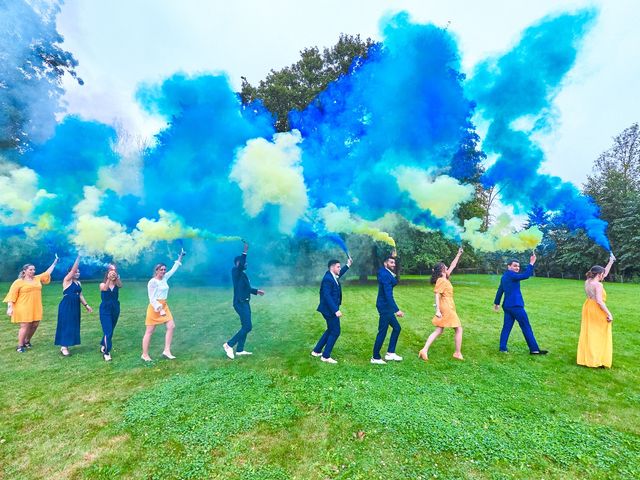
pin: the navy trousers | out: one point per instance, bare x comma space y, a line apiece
386, 320
109, 314
329, 337
511, 315
244, 311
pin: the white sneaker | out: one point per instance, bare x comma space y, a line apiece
393, 356
107, 357
315, 354
229, 351
378, 361
328, 360
244, 352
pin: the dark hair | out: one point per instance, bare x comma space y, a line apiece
237, 259
512, 261
332, 263
109, 270
437, 272
595, 271
388, 257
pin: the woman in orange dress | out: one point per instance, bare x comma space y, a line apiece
446, 316
24, 302
595, 347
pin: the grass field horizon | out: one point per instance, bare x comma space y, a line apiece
282, 414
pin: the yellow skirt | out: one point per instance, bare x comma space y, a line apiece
595, 347
154, 318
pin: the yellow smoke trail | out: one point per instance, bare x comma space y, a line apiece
340, 220
441, 195
271, 173
96, 235
500, 236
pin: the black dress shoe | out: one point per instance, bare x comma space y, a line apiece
540, 352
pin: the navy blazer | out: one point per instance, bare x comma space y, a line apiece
242, 290
331, 293
510, 287
385, 302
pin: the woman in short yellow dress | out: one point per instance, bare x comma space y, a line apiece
446, 315
24, 302
158, 312
595, 346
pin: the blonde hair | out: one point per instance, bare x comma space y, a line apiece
21, 275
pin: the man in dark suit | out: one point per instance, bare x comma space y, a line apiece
329, 307
388, 310
513, 305
242, 292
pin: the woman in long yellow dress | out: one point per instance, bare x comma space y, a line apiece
595, 346
24, 302
446, 315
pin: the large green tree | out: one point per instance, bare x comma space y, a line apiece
616, 174
615, 186
32, 63
294, 87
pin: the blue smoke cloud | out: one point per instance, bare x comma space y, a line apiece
406, 105
192, 160
522, 83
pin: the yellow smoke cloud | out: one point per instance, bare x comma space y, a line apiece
96, 235
340, 220
19, 194
500, 236
271, 173
441, 195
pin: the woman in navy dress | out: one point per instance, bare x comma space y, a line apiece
68, 328
109, 309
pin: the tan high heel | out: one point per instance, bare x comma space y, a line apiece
423, 355
458, 356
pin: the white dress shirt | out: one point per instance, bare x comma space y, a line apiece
159, 289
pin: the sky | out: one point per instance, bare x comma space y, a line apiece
121, 44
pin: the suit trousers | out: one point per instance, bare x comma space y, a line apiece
244, 311
329, 337
511, 315
386, 320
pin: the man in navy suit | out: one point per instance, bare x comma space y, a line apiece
330, 300
242, 292
388, 310
513, 305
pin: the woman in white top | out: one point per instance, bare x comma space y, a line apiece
158, 311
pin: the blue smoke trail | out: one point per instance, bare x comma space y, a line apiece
524, 82
316, 231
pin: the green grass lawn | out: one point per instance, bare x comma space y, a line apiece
282, 414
